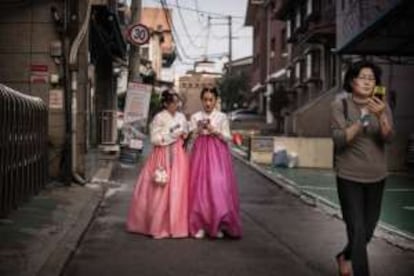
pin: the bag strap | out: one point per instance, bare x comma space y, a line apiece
345, 108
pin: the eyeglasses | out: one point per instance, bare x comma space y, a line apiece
365, 78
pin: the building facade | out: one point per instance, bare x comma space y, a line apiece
321, 38
35, 45
300, 64
159, 54
256, 17
312, 66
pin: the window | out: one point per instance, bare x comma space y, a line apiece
309, 7
282, 40
308, 65
297, 71
145, 52
288, 29
272, 47
289, 76
298, 19
313, 64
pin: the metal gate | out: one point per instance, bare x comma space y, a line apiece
23, 147
108, 127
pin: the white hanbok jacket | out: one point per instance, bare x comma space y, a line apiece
217, 119
166, 128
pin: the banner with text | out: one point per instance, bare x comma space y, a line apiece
136, 113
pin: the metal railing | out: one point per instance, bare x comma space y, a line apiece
23, 147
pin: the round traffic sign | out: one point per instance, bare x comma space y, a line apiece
138, 34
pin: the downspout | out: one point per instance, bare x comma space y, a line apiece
73, 67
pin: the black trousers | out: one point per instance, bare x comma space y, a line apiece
361, 207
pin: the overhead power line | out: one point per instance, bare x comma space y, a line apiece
175, 34
187, 33
197, 11
181, 53
200, 11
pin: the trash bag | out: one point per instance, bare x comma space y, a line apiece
293, 160
280, 158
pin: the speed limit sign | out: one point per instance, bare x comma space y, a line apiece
138, 34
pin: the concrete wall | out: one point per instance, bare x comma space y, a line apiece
83, 93
26, 32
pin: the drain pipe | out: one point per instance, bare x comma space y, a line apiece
73, 55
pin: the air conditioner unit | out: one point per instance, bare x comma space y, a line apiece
256, 2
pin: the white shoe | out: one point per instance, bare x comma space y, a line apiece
220, 235
200, 234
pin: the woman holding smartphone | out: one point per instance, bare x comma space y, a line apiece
159, 204
361, 126
214, 199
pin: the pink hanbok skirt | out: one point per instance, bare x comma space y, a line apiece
161, 212
214, 198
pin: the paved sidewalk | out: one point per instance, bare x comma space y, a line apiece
40, 236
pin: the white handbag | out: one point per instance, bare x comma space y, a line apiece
160, 176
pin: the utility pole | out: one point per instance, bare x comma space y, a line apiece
134, 55
230, 42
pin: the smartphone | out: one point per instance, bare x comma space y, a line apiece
379, 92
204, 123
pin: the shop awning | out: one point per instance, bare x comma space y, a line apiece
389, 34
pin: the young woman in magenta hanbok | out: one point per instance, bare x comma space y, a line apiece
161, 210
214, 200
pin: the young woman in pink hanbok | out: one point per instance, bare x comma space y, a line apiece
159, 205
214, 200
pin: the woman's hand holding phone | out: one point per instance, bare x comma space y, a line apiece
376, 106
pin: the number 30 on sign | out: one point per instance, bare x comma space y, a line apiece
138, 34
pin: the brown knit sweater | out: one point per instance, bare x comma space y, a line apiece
363, 159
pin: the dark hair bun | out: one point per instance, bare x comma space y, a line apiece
167, 97
213, 90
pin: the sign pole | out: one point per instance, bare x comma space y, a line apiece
134, 55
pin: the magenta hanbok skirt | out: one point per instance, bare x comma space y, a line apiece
162, 212
214, 198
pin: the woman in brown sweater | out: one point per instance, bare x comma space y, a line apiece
361, 126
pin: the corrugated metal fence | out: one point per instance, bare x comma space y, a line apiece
23, 147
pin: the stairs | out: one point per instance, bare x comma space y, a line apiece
313, 118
